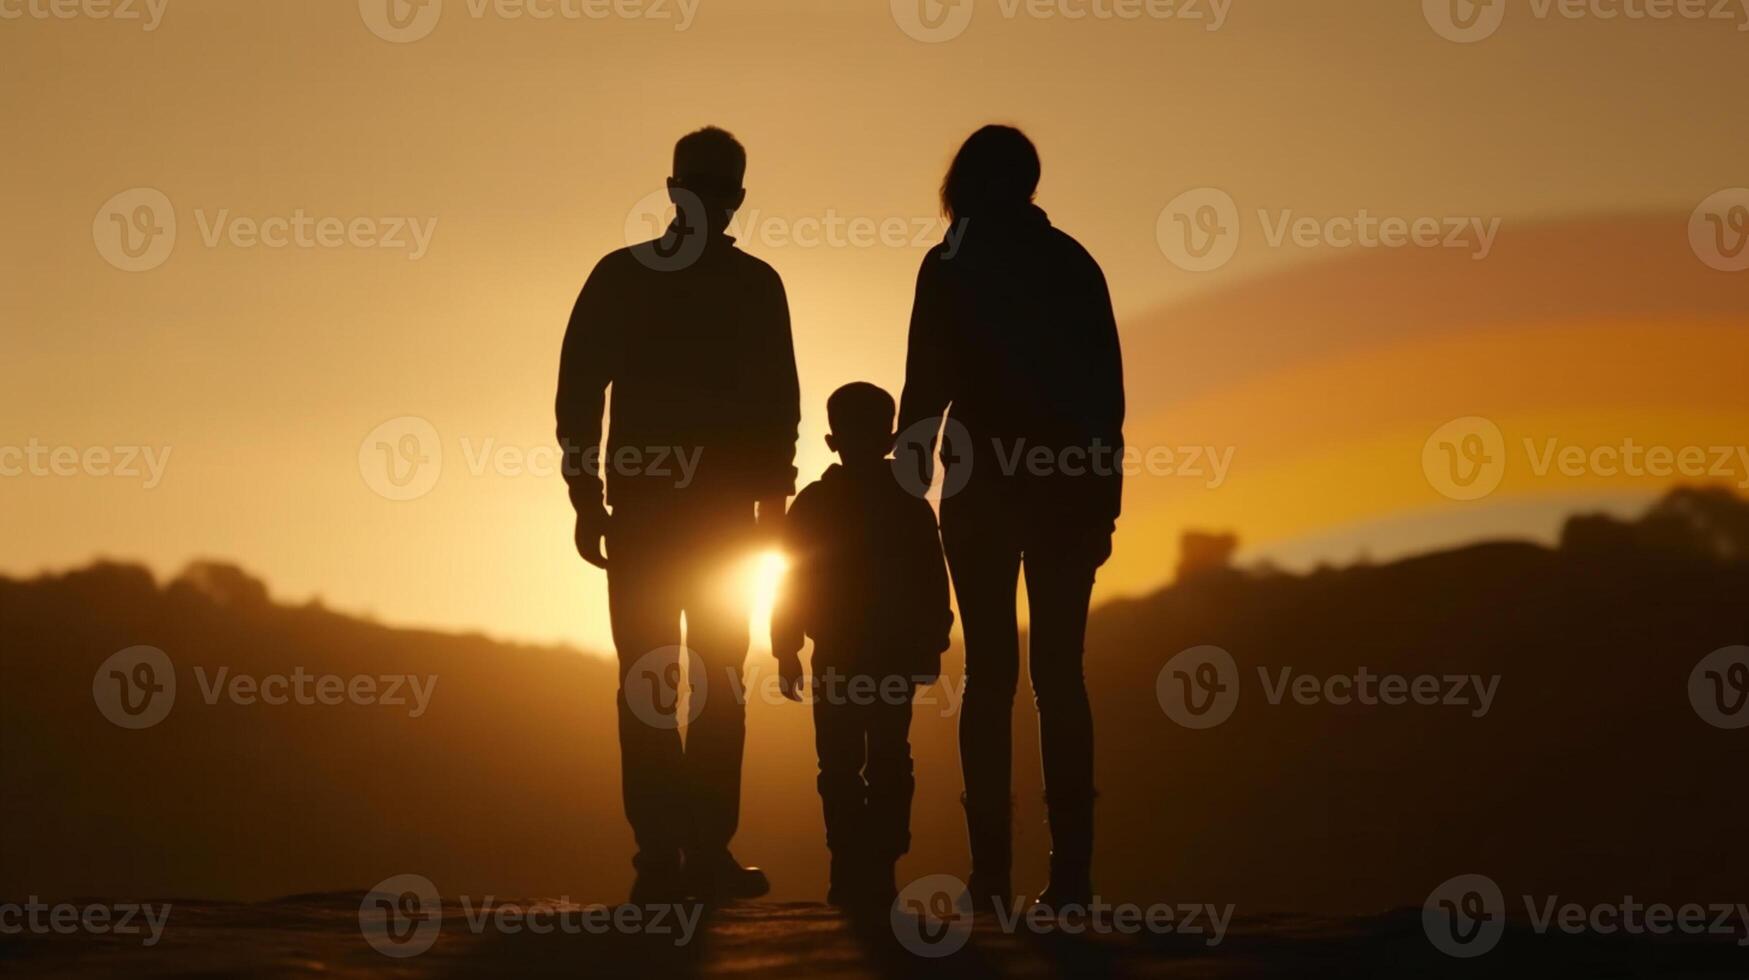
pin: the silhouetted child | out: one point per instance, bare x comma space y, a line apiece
867, 582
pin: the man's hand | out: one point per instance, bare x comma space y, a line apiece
591, 526
789, 676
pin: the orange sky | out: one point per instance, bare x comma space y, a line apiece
522, 147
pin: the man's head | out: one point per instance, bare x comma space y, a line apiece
861, 417
709, 164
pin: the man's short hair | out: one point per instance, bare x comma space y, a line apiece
710, 159
860, 408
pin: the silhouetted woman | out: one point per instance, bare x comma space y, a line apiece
1014, 342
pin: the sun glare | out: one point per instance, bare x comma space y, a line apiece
763, 576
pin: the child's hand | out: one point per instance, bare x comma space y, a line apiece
789, 676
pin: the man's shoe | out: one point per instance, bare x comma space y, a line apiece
721, 878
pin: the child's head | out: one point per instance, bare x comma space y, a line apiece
861, 416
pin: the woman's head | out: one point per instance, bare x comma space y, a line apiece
996, 169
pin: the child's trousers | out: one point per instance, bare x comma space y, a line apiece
862, 735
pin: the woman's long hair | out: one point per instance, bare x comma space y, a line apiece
996, 169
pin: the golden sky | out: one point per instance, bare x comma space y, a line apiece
442, 191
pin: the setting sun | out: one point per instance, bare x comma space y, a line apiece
763, 576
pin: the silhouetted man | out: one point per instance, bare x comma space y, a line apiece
693, 336
1013, 339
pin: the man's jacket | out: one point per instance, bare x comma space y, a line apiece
703, 373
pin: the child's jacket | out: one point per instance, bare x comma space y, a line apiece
866, 578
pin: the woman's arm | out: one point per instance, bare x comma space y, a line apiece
927, 392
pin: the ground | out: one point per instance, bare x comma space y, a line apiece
321, 936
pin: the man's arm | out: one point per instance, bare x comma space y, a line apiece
772, 467
588, 363
790, 611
